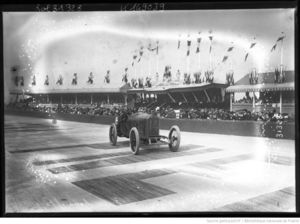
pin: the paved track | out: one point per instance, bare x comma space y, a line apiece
71, 167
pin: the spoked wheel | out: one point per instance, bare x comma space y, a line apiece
174, 138
134, 140
113, 134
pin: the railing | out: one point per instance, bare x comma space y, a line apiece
288, 108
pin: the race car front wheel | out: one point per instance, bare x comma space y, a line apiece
174, 138
134, 140
113, 134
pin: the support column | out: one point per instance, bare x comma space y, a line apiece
253, 102
91, 98
47, 98
195, 97
223, 94
61, 99
208, 99
280, 102
231, 98
125, 99
173, 100
75, 98
107, 99
184, 97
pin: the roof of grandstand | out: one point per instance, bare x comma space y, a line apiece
173, 87
105, 89
160, 88
265, 83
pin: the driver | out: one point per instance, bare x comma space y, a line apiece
122, 119
124, 116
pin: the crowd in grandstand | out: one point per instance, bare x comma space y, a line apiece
170, 110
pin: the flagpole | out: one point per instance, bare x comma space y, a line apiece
281, 53
199, 61
186, 60
135, 71
210, 58
188, 55
157, 58
210, 62
188, 64
141, 71
149, 66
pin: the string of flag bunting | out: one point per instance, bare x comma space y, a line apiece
139, 53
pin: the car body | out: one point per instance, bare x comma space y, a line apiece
142, 128
147, 124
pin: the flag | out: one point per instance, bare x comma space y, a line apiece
274, 47
198, 44
178, 45
230, 49
210, 38
252, 45
141, 54
188, 45
224, 58
150, 48
133, 57
246, 56
280, 38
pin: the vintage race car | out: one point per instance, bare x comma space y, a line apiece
142, 128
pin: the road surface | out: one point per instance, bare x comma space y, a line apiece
71, 167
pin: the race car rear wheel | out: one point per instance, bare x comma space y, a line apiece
113, 134
174, 138
134, 140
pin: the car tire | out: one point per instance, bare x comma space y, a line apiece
134, 140
113, 134
174, 138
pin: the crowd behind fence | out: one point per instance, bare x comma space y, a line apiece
167, 110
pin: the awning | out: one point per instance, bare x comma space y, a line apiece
63, 90
290, 86
178, 88
74, 90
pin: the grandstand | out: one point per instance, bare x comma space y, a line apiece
266, 93
151, 97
